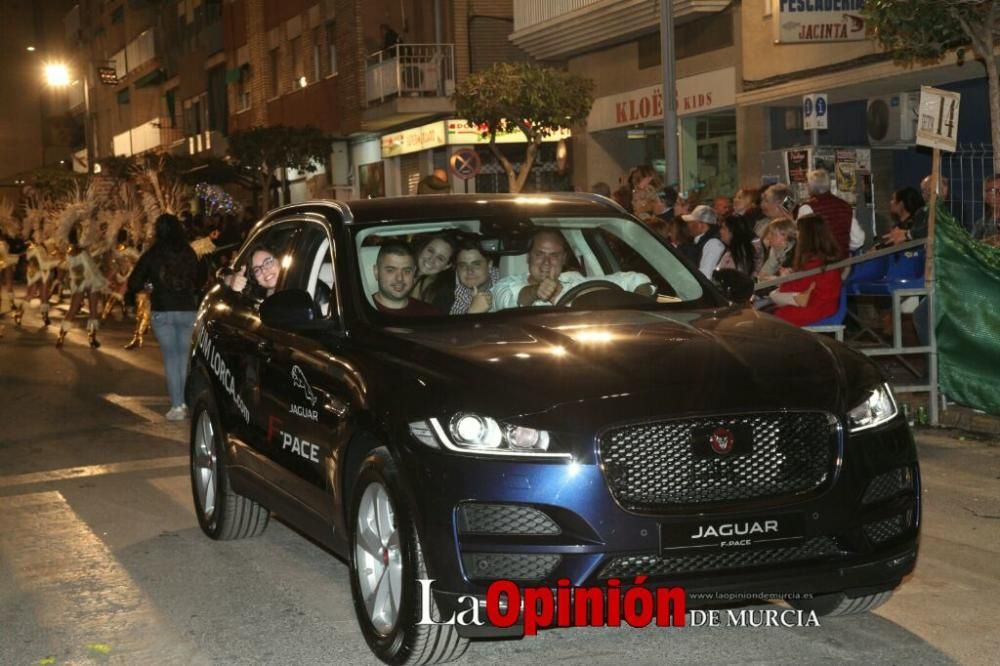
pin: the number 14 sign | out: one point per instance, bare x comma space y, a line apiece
937, 123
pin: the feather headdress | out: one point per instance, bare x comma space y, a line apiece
133, 212
35, 205
77, 208
160, 193
9, 225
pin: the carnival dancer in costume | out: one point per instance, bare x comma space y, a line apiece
11, 247
43, 254
81, 232
119, 260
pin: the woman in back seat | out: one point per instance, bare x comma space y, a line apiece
435, 282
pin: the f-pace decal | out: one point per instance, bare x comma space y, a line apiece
215, 361
290, 442
299, 381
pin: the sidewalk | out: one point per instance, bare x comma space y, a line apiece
971, 420
958, 417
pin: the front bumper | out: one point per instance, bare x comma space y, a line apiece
858, 535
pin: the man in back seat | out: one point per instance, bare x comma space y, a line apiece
546, 281
395, 270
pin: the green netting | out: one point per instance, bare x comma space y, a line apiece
967, 280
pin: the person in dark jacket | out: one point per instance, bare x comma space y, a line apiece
169, 269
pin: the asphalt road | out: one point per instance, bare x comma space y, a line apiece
102, 561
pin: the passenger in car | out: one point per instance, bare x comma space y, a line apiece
434, 281
475, 275
264, 270
395, 271
546, 281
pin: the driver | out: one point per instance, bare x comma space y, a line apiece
546, 281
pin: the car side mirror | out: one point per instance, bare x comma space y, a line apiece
735, 285
292, 310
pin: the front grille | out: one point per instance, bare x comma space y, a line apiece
512, 566
883, 530
655, 565
651, 466
888, 484
475, 518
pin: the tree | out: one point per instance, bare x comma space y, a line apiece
924, 31
536, 100
261, 150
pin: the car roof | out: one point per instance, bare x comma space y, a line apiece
400, 209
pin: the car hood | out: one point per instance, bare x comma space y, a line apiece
713, 360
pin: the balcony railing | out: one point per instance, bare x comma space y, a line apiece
558, 29
151, 135
410, 70
531, 12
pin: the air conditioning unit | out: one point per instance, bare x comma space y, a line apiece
891, 120
420, 77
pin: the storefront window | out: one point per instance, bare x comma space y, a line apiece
545, 173
709, 154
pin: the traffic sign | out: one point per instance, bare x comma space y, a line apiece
814, 112
465, 163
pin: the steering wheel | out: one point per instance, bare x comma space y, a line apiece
584, 289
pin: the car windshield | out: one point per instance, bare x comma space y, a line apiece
472, 267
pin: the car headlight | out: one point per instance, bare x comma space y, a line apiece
878, 408
476, 434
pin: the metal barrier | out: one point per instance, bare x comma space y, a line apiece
897, 296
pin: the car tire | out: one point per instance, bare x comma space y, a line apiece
223, 514
832, 605
386, 560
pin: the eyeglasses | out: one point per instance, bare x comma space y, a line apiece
265, 265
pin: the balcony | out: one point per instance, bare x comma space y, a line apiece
559, 29
151, 135
408, 82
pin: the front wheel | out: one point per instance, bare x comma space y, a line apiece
222, 513
832, 605
386, 561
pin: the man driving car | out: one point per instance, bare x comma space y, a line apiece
546, 282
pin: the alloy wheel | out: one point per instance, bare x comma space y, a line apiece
204, 464
378, 558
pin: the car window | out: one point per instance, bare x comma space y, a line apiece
490, 255
313, 269
267, 258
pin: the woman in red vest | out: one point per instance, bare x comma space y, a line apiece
815, 297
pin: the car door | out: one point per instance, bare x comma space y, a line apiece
230, 340
305, 392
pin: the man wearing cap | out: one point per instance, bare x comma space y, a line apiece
703, 224
436, 183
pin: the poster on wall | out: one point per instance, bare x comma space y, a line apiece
846, 178
371, 179
823, 158
798, 172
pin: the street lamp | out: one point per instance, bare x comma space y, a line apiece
57, 75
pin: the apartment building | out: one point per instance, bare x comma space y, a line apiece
156, 76
332, 64
377, 76
617, 44
742, 70
33, 132
872, 100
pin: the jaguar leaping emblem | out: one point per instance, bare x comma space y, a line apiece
299, 381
